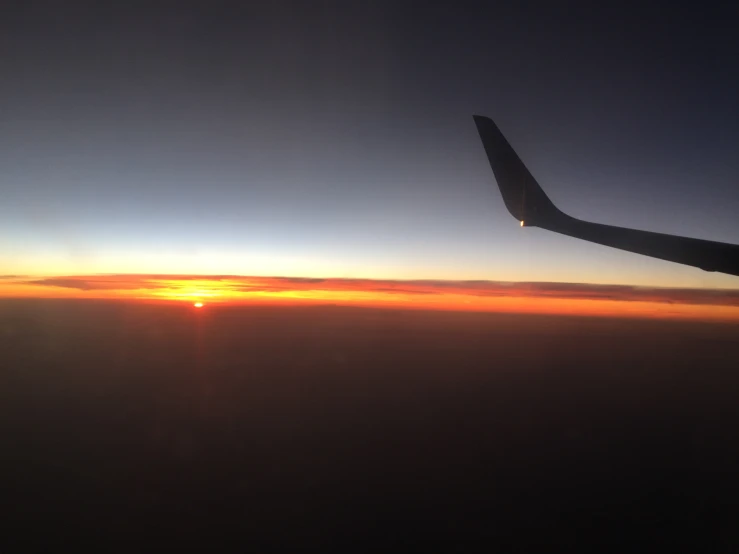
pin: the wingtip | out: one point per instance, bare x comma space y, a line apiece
522, 195
485, 124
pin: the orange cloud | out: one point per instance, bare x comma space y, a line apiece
559, 298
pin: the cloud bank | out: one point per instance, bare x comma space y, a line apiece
529, 297
278, 285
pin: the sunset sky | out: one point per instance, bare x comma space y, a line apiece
336, 144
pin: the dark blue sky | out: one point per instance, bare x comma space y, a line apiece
323, 139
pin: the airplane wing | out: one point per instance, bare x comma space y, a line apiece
527, 202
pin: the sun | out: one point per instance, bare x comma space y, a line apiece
198, 304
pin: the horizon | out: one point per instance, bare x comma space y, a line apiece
555, 298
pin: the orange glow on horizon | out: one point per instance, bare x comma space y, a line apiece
478, 296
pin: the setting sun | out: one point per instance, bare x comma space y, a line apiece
198, 304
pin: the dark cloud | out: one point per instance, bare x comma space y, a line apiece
299, 280
167, 277
401, 291
85, 283
275, 290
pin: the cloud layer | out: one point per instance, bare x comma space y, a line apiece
226, 284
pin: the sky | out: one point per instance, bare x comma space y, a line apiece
336, 140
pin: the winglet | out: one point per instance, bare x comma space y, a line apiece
528, 204
523, 196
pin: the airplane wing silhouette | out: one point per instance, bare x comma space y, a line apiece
527, 202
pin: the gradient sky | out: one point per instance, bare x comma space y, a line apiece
336, 140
